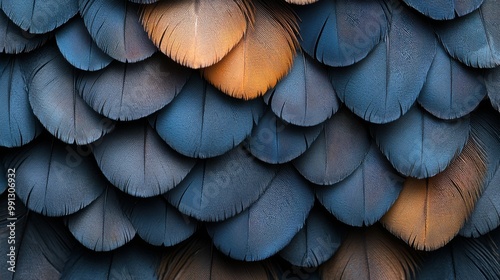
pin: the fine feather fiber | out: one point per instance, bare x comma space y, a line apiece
301, 2
444, 9
14, 40
492, 80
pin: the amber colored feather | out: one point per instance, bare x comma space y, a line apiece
301, 2
371, 253
262, 57
196, 33
430, 212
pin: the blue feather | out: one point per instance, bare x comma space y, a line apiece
78, 48
136, 160
481, 48
221, 187
114, 25
39, 16
337, 152
274, 141
341, 33
203, 122
15, 40
451, 90
305, 96
19, 125
144, 1
444, 9
3, 179
129, 91
383, 87
492, 80
270, 223
366, 195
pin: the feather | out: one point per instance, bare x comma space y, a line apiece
102, 226
429, 212
39, 16
492, 81
203, 122
55, 179
366, 195
301, 2
136, 160
221, 187
76, 45
15, 40
114, 26
341, 33
371, 253
383, 86
482, 30
158, 223
3, 179
184, 30
444, 9
262, 57
274, 141
421, 145
144, 1
129, 91
451, 90
305, 95
316, 242
55, 100
19, 125
270, 223
337, 152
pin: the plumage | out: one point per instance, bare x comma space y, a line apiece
76, 45
221, 187
184, 29
341, 33
274, 141
492, 80
262, 57
482, 30
444, 9
383, 86
102, 226
144, 1
114, 26
135, 149
19, 125
367, 194
420, 145
55, 100
14, 40
305, 96
202, 122
3, 179
301, 2
270, 223
337, 152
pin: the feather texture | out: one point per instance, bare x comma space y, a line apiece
444, 9
270, 223
492, 81
262, 57
184, 30
301, 2
15, 40
221, 187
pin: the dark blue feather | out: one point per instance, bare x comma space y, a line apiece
274, 141
316, 242
136, 160
451, 90
444, 9
15, 40
114, 25
19, 125
337, 152
56, 102
492, 80
305, 95
78, 48
270, 223
39, 16
222, 187
384, 85
474, 39
144, 1
340, 33
421, 145
203, 122
129, 91
3, 179
366, 195
102, 226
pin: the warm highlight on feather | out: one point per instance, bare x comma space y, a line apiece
430, 212
262, 57
301, 2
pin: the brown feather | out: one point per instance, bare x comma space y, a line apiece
196, 33
301, 2
430, 212
262, 57
371, 253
